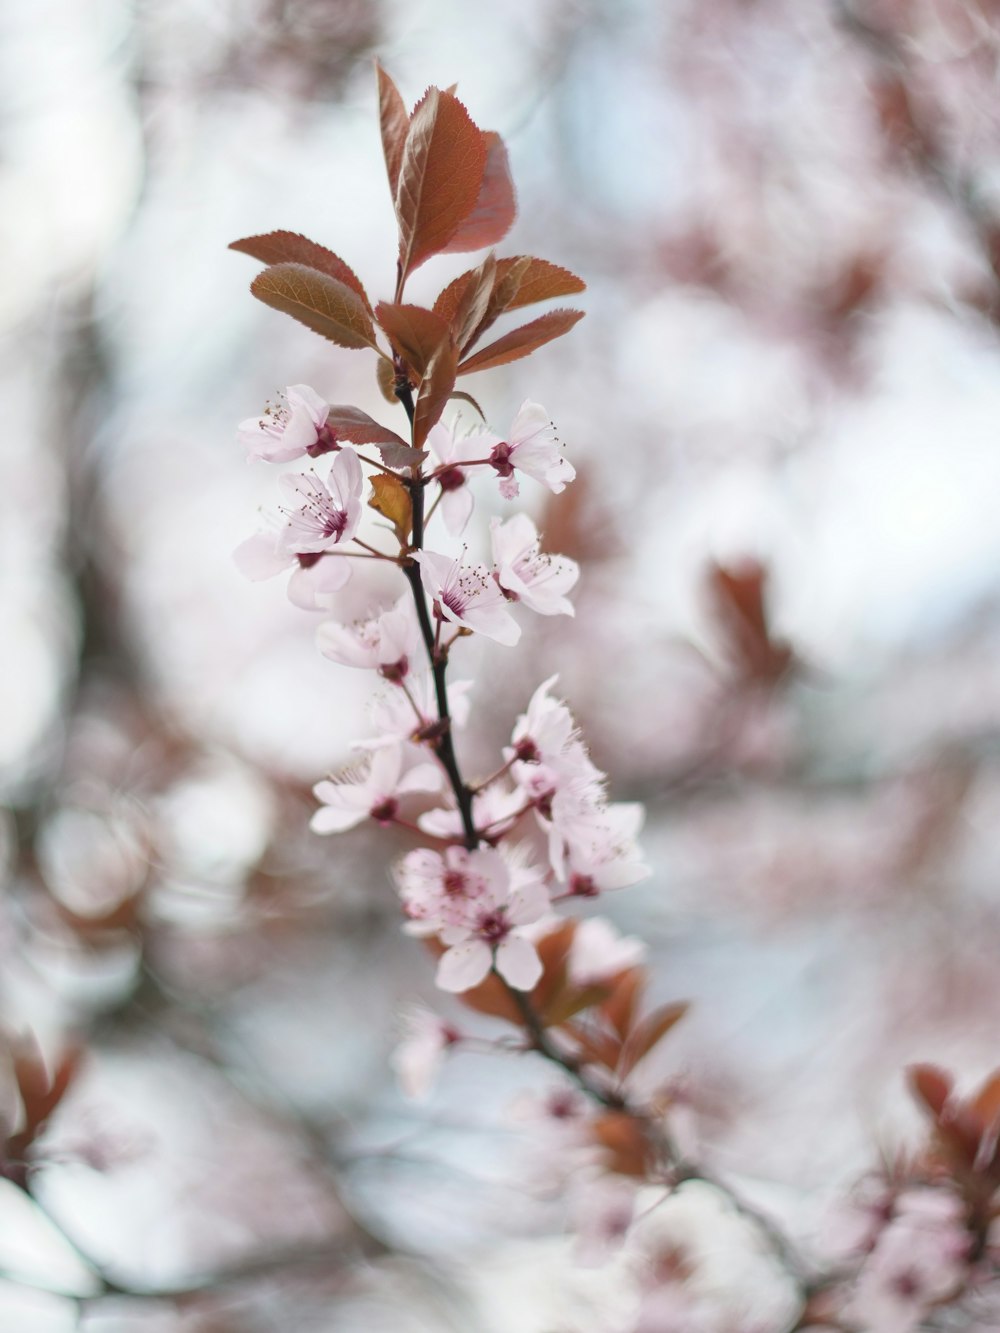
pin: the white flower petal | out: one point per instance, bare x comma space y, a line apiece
518, 962
464, 966
257, 558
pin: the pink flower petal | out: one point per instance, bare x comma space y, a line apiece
464, 966
518, 962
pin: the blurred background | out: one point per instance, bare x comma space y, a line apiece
784, 406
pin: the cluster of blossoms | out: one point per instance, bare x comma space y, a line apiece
496, 857
542, 828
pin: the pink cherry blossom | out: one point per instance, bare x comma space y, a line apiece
418, 1057
436, 888
493, 812
526, 574
542, 733
410, 713
467, 595
291, 426
385, 642
454, 450
314, 579
597, 851
921, 1258
494, 941
318, 515
549, 752
476, 901
532, 448
599, 952
370, 790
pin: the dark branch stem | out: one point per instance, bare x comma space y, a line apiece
659, 1139
439, 661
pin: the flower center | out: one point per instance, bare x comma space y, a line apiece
451, 479
454, 883
583, 886
394, 671
385, 811
493, 927
500, 459
325, 443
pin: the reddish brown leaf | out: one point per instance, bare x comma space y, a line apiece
738, 599
496, 207
492, 997
473, 302
440, 174
288, 247
394, 122
537, 280
572, 1000
986, 1103
415, 333
448, 298
597, 1047
40, 1094
525, 280
357, 427
648, 1033
324, 304
625, 1142
626, 993
932, 1085
553, 952
468, 398
436, 389
523, 341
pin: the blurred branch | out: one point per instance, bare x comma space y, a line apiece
919, 137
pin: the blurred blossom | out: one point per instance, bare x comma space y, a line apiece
216, 821
788, 217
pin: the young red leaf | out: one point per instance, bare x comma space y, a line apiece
357, 427
626, 1143
439, 382
524, 280
553, 952
40, 1093
473, 301
523, 341
985, 1105
439, 179
468, 398
598, 1047
324, 304
648, 1033
415, 333
394, 122
492, 997
496, 207
450, 298
932, 1085
738, 598
288, 247
621, 1004
538, 280
570, 1001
